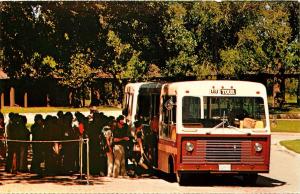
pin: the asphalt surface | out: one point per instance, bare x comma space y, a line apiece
284, 177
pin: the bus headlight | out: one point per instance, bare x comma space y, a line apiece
189, 147
258, 147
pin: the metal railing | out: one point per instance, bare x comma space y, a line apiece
80, 151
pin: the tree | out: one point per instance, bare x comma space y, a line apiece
138, 24
126, 40
24, 40
78, 76
180, 42
215, 26
121, 61
265, 44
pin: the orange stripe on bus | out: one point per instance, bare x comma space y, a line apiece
167, 148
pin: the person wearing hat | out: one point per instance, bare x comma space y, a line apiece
121, 137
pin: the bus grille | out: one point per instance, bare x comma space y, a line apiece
223, 151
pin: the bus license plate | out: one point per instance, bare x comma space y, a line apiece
224, 167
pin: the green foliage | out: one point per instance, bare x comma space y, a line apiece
74, 40
79, 73
123, 61
214, 26
50, 62
263, 43
291, 87
180, 42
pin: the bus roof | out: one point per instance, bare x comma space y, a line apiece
215, 88
131, 87
150, 88
143, 87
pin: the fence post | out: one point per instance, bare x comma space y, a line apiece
87, 160
80, 155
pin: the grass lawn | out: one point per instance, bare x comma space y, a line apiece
51, 109
293, 145
294, 110
286, 126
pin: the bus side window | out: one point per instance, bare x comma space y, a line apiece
143, 106
130, 104
154, 105
154, 117
126, 104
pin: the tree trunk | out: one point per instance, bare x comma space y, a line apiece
282, 92
298, 92
83, 97
47, 100
276, 90
70, 96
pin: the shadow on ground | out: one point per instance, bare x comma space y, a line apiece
194, 180
221, 180
27, 178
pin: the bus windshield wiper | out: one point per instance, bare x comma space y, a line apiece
224, 121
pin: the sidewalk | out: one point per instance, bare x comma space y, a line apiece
277, 137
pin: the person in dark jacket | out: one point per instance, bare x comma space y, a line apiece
23, 134
17, 151
11, 162
70, 149
38, 149
95, 151
120, 141
53, 157
82, 129
2, 136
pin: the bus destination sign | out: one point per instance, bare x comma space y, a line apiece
223, 91
228, 91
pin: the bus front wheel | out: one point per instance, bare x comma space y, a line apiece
180, 177
250, 179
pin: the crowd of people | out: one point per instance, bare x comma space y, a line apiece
55, 143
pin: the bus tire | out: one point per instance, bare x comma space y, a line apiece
250, 179
180, 177
172, 175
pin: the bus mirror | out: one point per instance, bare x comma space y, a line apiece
169, 104
125, 111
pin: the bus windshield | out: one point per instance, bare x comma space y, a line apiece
241, 112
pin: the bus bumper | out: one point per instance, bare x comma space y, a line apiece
224, 168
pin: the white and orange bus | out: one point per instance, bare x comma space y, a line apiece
205, 126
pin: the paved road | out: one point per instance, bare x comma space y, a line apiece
284, 177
